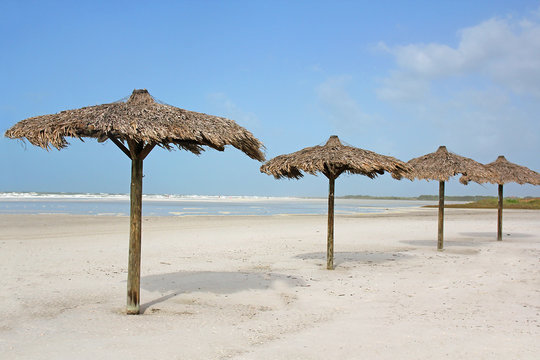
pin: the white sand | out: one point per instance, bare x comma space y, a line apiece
257, 288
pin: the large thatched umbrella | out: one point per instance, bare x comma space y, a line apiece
136, 126
440, 166
332, 160
502, 172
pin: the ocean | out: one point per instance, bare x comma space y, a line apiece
191, 205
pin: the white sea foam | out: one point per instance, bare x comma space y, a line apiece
150, 197
62, 196
189, 205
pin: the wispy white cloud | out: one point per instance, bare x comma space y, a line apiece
315, 68
353, 121
480, 95
403, 87
229, 109
342, 109
503, 51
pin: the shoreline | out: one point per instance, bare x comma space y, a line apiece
226, 207
386, 212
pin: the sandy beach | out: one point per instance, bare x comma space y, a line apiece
256, 287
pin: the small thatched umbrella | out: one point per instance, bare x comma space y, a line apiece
440, 166
136, 126
332, 160
503, 171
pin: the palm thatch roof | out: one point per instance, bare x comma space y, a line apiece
503, 171
142, 123
332, 159
140, 119
442, 165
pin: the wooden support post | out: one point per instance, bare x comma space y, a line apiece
121, 146
330, 241
134, 261
137, 152
440, 238
499, 214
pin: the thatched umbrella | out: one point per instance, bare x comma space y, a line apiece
136, 126
440, 166
332, 160
503, 171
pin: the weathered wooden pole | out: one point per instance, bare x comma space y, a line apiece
137, 152
440, 238
499, 214
330, 241
134, 262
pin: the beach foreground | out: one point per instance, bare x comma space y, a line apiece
255, 287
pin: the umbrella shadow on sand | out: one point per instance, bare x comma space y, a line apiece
364, 257
216, 282
470, 242
469, 239
467, 246
489, 236
493, 234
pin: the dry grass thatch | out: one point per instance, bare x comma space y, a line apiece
503, 171
332, 159
441, 165
140, 119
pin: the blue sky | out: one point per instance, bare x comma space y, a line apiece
398, 78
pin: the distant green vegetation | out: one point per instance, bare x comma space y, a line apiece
368, 197
474, 202
421, 197
454, 198
492, 203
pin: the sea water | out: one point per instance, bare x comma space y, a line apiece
186, 205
